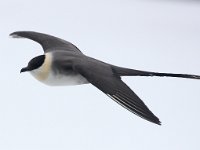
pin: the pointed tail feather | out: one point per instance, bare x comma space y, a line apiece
131, 72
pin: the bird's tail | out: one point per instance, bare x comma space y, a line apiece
131, 72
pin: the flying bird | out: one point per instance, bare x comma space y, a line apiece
64, 64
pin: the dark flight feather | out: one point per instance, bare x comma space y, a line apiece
48, 42
115, 88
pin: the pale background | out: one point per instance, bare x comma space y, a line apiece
154, 35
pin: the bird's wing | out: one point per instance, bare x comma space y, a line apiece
116, 89
48, 42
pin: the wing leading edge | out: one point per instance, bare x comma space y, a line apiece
48, 42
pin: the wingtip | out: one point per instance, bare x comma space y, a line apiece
14, 35
19, 34
156, 121
159, 123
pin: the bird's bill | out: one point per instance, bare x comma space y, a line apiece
24, 69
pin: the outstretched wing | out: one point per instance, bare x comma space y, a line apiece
116, 89
48, 42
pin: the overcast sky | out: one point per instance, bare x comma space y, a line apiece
154, 35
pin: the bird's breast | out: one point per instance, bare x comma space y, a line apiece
65, 79
55, 79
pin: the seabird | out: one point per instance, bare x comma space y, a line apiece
64, 64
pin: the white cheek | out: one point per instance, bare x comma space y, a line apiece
43, 71
38, 74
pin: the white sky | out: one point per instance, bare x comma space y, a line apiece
155, 35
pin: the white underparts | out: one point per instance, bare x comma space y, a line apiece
45, 75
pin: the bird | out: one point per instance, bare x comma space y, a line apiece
62, 63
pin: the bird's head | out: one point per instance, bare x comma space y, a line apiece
34, 63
